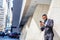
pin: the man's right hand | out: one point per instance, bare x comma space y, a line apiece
41, 24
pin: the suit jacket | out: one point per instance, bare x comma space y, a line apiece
48, 27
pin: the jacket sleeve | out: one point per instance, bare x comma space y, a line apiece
50, 23
42, 28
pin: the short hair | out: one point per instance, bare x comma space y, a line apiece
44, 15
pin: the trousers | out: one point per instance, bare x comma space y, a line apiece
48, 37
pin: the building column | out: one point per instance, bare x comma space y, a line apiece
54, 13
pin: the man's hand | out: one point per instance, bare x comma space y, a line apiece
41, 24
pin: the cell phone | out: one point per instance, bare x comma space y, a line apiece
40, 21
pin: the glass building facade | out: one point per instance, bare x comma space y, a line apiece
1, 3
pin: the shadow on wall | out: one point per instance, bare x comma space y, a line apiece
56, 36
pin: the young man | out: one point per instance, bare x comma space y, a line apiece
47, 25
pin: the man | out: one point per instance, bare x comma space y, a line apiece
47, 25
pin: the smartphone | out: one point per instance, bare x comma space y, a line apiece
40, 21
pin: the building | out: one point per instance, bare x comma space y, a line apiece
1, 3
9, 15
1, 15
3, 12
2, 25
31, 29
17, 5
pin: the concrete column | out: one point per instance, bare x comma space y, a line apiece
54, 13
25, 29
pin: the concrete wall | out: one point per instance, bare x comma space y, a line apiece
33, 4
33, 32
26, 7
25, 29
54, 13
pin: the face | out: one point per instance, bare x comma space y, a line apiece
44, 17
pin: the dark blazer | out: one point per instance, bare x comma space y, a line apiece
48, 27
